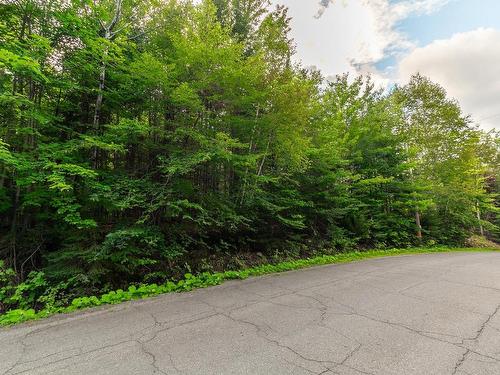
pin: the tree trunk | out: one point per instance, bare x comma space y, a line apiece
419, 226
264, 157
478, 213
13, 230
250, 150
102, 80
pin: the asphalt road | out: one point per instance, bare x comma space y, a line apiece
423, 314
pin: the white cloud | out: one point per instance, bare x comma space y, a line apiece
352, 35
468, 66
386, 15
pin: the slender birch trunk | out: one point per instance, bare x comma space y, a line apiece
108, 36
479, 220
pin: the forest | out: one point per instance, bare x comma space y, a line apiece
141, 140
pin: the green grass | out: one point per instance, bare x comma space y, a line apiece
206, 279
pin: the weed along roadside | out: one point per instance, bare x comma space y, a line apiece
207, 279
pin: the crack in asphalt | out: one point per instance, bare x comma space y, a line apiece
81, 352
475, 339
154, 362
472, 285
262, 334
460, 362
74, 356
427, 334
143, 344
19, 360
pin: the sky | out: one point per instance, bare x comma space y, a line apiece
455, 43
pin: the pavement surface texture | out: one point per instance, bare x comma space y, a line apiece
420, 314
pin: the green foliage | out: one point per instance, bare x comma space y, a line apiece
7, 285
18, 316
127, 252
14, 295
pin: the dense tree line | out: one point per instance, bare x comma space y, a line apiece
140, 139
